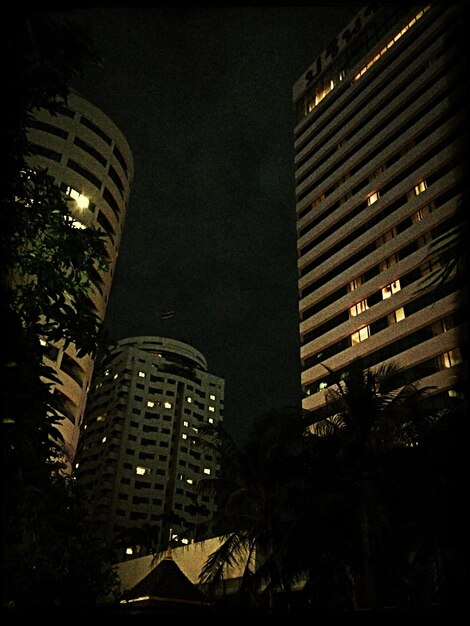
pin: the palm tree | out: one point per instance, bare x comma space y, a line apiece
378, 434
200, 510
255, 492
348, 508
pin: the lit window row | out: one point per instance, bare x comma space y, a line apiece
358, 308
375, 195
320, 95
151, 404
390, 43
189, 399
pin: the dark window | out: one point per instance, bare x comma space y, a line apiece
96, 129
117, 153
90, 150
116, 179
84, 172
46, 152
105, 223
108, 196
48, 128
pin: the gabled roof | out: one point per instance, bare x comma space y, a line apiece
165, 584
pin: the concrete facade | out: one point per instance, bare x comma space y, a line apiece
138, 458
89, 157
380, 167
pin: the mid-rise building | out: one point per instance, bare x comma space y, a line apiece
90, 159
381, 160
138, 459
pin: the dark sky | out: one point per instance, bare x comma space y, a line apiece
204, 98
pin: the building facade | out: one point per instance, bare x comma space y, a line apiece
137, 458
90, 159
380, 171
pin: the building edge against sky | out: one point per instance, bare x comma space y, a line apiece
90, 159
381, 159
138, 458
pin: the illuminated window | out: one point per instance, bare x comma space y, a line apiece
77, 465
355, 284
104, 439
396, 316
142, 470
82, 201
451, 358
184, 436
142, 374
420, 187
320, 95
323, 385
167, 405
360, 335
185, 423
211, 408
373, 198
189, 399
184, 540
189, 481
115, 376
129, 551
100, 418
358, 308
389, 289
391, 42
212, 397
106, 373
206, 470
150, 403
211, 420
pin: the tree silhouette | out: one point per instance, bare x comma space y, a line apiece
43, 294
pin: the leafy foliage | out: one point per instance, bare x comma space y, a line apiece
50, 261
349, 510
50, 555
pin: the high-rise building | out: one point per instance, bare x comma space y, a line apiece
138, 458
381, 168
90, 159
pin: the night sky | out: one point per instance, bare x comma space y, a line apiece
204, 98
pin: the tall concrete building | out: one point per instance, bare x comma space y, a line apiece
91, 161
137, 458
380, 168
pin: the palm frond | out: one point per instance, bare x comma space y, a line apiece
233, 553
